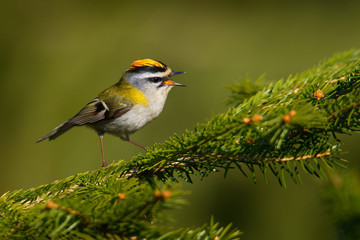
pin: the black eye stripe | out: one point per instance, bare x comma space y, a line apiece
156, 79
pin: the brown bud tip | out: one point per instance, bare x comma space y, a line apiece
121, 196
292, 113
166, 194
246, 120
216, 238
50, 204
257, 118
157, 194
250, 140
319, 94
286, 118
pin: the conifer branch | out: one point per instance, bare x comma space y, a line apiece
290, 121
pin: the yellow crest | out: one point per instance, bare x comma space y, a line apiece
146, 63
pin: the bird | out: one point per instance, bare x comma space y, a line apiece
127, 106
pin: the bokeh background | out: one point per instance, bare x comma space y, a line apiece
55, 56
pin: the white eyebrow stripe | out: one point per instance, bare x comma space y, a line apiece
154, 74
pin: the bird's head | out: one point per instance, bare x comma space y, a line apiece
151, 77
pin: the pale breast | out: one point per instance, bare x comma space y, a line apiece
133, 120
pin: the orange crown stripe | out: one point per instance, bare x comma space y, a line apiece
146, 63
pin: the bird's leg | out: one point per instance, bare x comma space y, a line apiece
104, 163
137, 144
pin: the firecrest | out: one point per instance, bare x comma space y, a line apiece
127, 106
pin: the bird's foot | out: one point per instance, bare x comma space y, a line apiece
104, 163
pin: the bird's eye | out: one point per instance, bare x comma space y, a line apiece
155, 79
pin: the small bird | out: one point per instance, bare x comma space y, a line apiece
127, 106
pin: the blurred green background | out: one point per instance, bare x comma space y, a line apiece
58, 55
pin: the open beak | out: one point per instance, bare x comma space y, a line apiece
177, 73
171, 83
168, 82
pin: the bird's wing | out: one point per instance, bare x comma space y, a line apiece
98, 110
95, 111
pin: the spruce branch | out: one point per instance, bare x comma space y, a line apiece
117, 207
290, 125
98, 207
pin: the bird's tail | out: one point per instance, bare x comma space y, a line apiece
62, 128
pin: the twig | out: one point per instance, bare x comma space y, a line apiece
336, 80
51, 205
